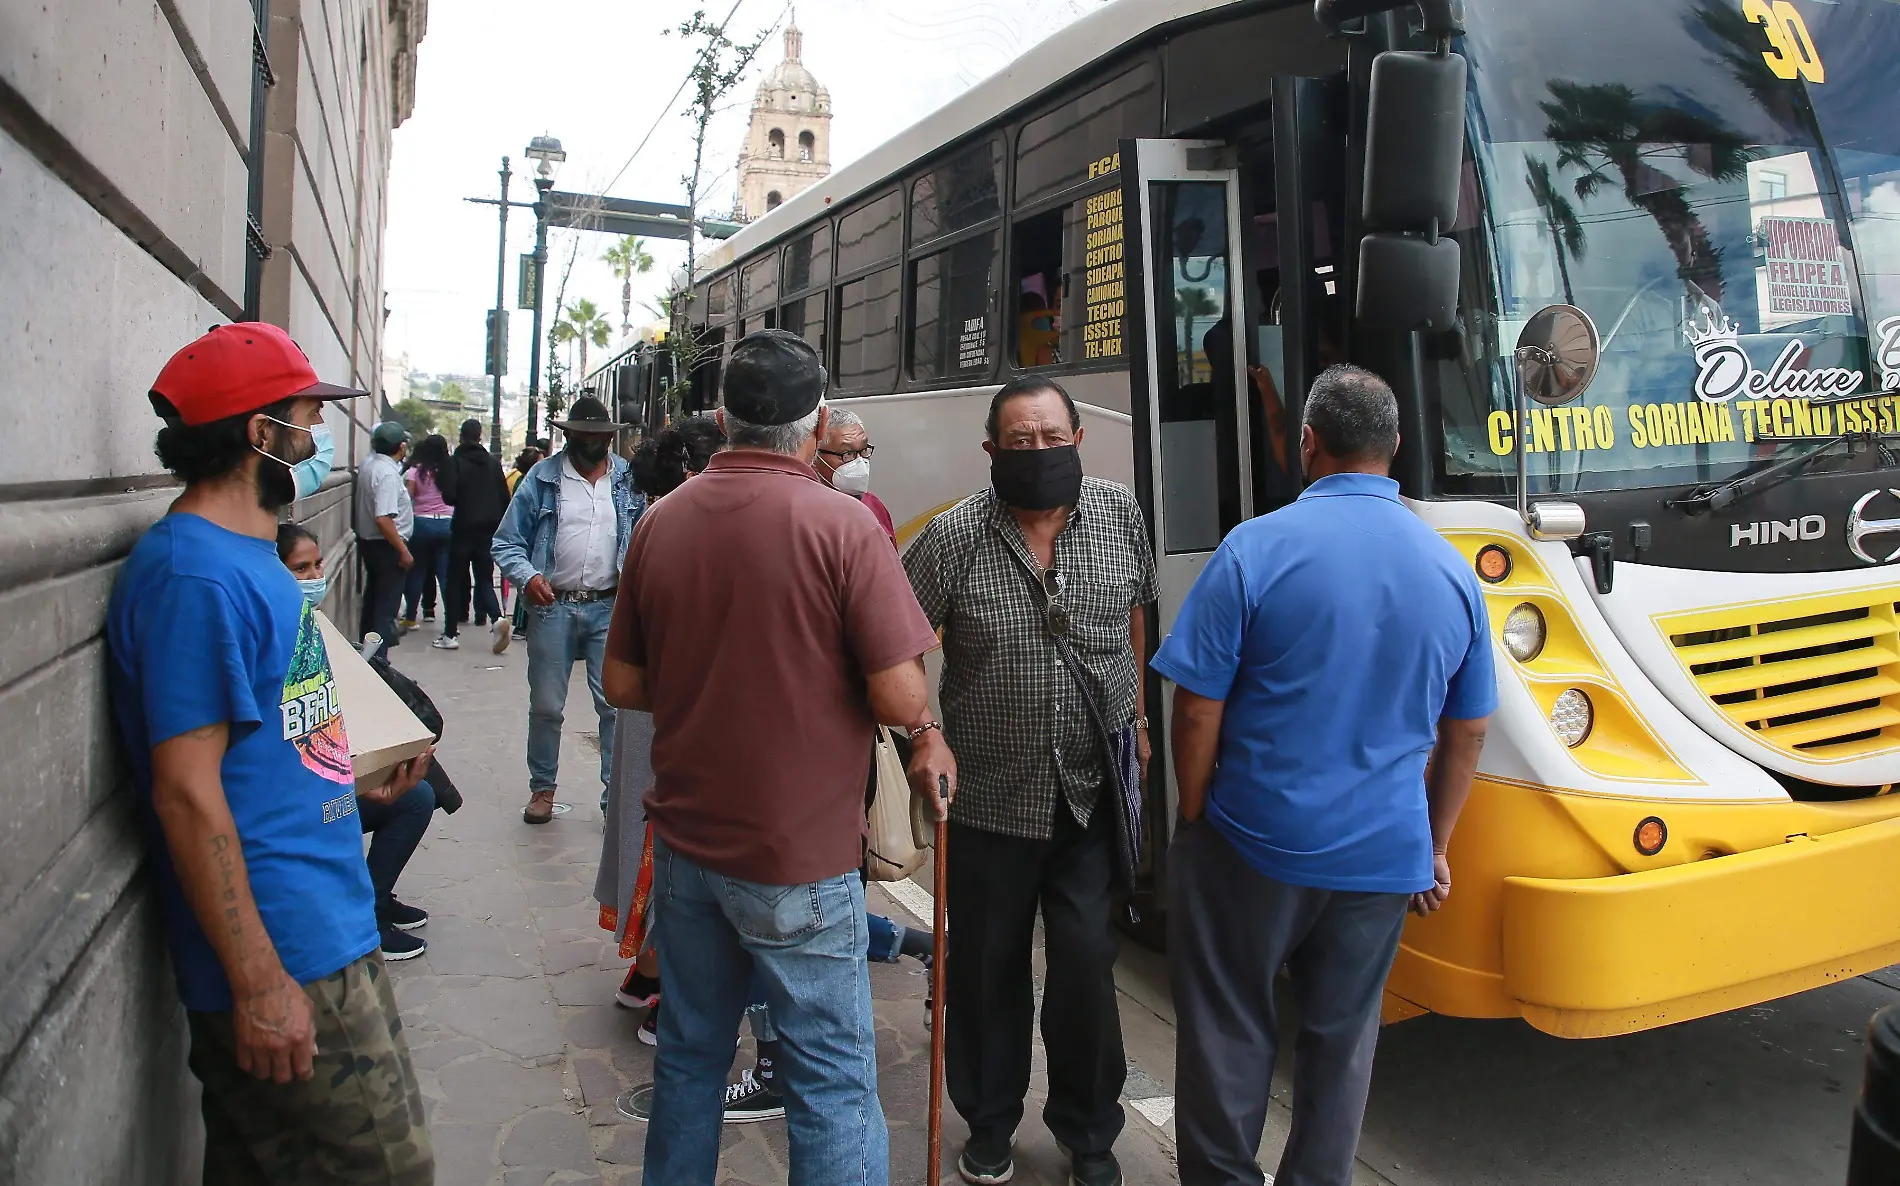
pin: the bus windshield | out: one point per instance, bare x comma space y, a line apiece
1717, 183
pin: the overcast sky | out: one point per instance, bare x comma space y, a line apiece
598, 75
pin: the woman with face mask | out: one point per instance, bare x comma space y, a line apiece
395, 829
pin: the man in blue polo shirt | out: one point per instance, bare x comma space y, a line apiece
1326, 652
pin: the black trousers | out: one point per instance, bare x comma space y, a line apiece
1230, 928
997, 883
382, 590
468, 553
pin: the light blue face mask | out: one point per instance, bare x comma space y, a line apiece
313, 590
310, 473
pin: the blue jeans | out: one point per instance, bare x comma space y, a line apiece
558, 635
394, 829
886, 939
806, 943
430, 573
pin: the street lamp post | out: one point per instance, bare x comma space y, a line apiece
501, 282
547, 150
499, 314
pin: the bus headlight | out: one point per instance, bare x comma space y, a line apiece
1524, 632
1571, 717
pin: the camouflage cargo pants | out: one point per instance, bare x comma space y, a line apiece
358, 1120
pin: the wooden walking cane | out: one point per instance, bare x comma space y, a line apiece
939, 944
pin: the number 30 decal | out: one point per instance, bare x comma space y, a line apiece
1792, 54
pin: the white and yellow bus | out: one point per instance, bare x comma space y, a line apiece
1684, 806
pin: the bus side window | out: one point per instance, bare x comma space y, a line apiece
1036, 284
867, 332
705, 381
950, 310
806, 318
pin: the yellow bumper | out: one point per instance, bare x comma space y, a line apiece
1591, 957
1555, 917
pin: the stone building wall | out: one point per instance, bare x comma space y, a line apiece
145, 171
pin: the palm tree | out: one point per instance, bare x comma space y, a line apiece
1191, 303
1610, 136
661, 307
628, 258
583, 323
1566, 232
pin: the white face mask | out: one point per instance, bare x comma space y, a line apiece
853, 477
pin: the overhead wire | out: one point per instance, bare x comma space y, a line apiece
668, 108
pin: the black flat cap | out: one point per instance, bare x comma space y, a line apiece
774, 377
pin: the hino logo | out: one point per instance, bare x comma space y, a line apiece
1776, 531
1860, 528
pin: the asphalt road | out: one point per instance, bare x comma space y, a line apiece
1761, 1095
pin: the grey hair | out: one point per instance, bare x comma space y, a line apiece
842, 420
773, 438
1354, 414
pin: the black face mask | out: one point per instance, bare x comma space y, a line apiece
1037, 479
592, 450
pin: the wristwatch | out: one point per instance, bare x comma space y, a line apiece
924, 728
1141, 723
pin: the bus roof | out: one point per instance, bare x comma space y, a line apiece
1048, 62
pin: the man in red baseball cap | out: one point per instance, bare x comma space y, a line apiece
224, 696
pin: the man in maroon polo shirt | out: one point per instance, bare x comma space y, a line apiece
765, 621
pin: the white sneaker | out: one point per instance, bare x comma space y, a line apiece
447, 642
504, 629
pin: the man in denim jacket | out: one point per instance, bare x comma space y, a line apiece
561, 543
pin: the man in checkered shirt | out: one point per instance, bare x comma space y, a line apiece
1044, 551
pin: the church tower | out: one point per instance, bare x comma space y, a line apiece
788, 145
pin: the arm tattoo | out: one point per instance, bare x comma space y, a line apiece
221, 852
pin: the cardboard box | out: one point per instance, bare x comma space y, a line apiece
383, 732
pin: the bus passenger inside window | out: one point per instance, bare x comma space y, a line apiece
1037, 285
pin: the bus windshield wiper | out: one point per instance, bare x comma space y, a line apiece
1753, 481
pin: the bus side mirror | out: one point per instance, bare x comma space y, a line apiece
1408, 272
1415, 134
1407, 283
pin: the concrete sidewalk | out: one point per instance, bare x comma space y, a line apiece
510, 1014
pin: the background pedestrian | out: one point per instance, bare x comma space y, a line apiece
562, 542
481, 495
431, 484
385, 519
1325, 654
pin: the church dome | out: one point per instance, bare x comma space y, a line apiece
789, 86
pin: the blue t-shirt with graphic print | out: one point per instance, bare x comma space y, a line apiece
207, 626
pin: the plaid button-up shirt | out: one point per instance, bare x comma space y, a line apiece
1012, 713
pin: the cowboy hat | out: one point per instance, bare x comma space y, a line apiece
588, 415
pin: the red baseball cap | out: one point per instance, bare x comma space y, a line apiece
240, 368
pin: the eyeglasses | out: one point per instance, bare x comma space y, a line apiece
1055, 615
849, 455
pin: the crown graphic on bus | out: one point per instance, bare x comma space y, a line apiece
1710, 324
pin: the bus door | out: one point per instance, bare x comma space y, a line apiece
1192, 461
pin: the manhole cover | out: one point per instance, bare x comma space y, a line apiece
636, 1104
563, 808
